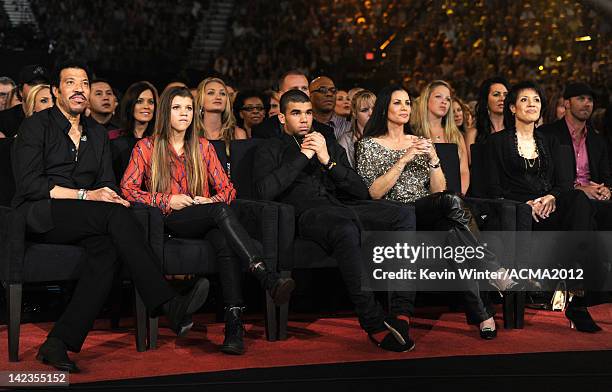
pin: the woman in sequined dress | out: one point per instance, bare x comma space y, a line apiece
403, 167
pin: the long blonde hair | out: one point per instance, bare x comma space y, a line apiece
161, 173
419, 118
31, 100
228, 121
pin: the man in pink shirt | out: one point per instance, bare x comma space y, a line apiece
590, 159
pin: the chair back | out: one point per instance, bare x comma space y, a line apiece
221, 150
242, 153
478, 171
449, 158
7, 181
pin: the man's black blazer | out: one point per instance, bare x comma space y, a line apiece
599, 164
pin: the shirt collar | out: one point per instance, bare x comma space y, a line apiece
63, 122
574, 131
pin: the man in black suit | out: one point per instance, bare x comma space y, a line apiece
291, 80
590, 159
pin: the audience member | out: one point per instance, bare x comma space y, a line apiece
102, 104
250, 108
173, 171
343, 104
7, 85
39, 98
323, 95
76, 201
433, 120
29, 76
361, 110
527, 165
312, 173
137, 114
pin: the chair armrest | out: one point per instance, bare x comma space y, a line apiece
12, 245
260, 219
505, 210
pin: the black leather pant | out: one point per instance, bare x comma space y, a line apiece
218, 224
446, 211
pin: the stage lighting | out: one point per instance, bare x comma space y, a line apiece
559, 58
369, 56
541, 68
583, 38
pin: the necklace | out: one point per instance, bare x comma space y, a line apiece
296, 142
529, 162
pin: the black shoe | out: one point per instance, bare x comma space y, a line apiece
180, 308
234, 331
398, 338
581, 320
280, 288
488, 334
53, 352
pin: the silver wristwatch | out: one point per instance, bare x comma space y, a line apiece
81, 194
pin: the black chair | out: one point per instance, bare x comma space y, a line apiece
197, 256
23, 261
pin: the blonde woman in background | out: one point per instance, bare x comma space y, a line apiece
361, 110
433, 119
214, 119
39, 99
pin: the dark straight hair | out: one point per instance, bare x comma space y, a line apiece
513, 95
483, 122
292, 96
377, 124
127, 107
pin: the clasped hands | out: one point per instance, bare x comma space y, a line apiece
595, 191
314, 144
421, 146
542, 207
180, 201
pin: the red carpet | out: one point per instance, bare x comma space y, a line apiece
112, 355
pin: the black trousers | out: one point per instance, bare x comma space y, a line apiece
574, 212
108, 232
338, 230
447, 211
217, 223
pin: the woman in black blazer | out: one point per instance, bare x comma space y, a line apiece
529, 166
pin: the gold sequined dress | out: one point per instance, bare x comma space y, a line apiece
374, 160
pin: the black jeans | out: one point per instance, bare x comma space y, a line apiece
574, 212
108, 232
447, 211
218, 224
338, 230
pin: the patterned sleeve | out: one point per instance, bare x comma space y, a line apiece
225, 191
365, 163
138, 167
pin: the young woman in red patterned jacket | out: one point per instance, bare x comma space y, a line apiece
172, 170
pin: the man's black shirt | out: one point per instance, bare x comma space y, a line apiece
10, 120
44, 156
282, 173
271, 127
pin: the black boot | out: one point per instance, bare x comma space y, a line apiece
234, 331
280, 288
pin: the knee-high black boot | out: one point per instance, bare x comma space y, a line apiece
280, 288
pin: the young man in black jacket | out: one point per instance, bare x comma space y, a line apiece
303, 168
